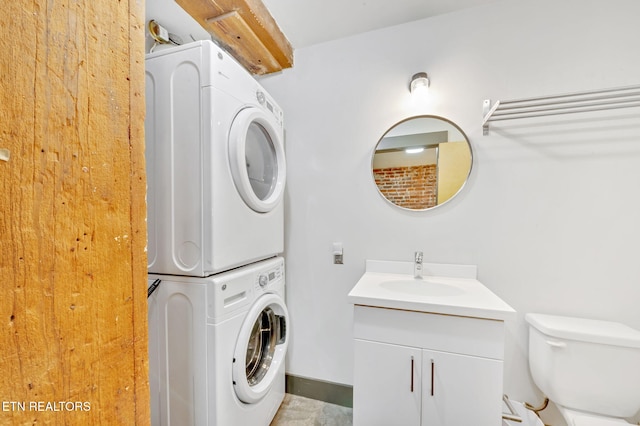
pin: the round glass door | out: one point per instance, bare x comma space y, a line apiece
262, 165
262, 346
256, 158
260, 349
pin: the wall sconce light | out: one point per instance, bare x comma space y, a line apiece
419, 83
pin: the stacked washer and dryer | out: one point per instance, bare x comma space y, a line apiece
216, 173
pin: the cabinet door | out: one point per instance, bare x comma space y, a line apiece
387, 387
460, 390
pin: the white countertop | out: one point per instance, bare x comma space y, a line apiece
454, 291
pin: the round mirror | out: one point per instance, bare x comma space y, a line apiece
421, 162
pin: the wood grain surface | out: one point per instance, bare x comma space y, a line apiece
246, 29
73, 312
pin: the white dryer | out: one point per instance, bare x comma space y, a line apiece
218, 346
215, 163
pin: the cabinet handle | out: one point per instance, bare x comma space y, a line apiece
412, 362
433, 368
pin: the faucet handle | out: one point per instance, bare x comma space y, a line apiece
417, 265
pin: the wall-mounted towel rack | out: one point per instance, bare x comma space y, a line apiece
568, 103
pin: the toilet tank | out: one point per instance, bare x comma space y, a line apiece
586, 365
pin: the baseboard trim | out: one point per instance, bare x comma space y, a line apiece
321, 390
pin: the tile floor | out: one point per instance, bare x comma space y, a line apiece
299, 411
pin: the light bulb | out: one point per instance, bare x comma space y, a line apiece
419, 84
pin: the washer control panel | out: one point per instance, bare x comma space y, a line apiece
266, 278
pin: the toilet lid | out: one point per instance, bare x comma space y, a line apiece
585, 330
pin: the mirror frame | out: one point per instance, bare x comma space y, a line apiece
412, 118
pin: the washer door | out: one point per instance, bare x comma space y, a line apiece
256, 159
261, 348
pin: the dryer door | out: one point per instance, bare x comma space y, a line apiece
260, 349
256, 159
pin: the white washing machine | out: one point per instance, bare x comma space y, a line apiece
215, 163
217, 347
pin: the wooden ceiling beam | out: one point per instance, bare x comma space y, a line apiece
246, 29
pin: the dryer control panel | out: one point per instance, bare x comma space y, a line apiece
269, 104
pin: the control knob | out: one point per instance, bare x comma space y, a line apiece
263, 280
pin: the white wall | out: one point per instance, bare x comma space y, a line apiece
551, 215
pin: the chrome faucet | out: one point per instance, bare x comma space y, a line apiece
417, 265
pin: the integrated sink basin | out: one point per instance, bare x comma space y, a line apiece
443, 289
423, 287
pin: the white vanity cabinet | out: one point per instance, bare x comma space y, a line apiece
423, 369
466, 390
386, 388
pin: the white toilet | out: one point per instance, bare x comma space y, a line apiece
590, 369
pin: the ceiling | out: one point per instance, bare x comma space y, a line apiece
308, 22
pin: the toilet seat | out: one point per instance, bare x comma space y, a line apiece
591, 421
579, 419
